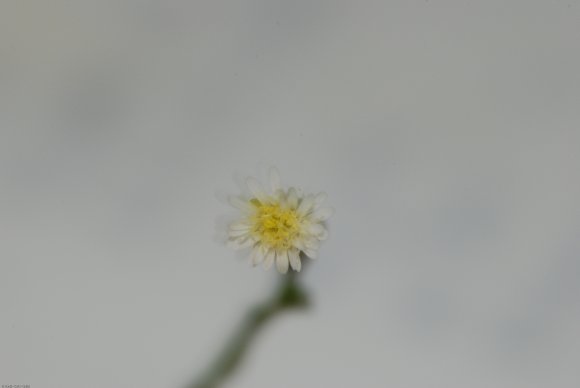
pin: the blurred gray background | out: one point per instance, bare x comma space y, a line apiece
445, 132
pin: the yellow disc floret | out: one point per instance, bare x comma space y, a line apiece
275, 226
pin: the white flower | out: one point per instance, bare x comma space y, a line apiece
279, 224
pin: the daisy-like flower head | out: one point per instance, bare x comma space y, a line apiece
279, 224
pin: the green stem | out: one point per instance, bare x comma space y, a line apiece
288, 296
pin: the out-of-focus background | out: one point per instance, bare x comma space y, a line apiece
447, 134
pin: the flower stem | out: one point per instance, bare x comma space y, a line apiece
289, 295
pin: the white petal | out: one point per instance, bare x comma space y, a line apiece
241, 204
294, 256
323, 213
310, 253
269, 259
282, 198
299, 243
240, 225
319, 231
256, 189
274, 180
312, 243
282, 261
258, 254
316, 229
241, 243
305, 205
238, 233
319, 198
292, 198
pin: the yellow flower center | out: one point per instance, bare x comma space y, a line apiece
275, 226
